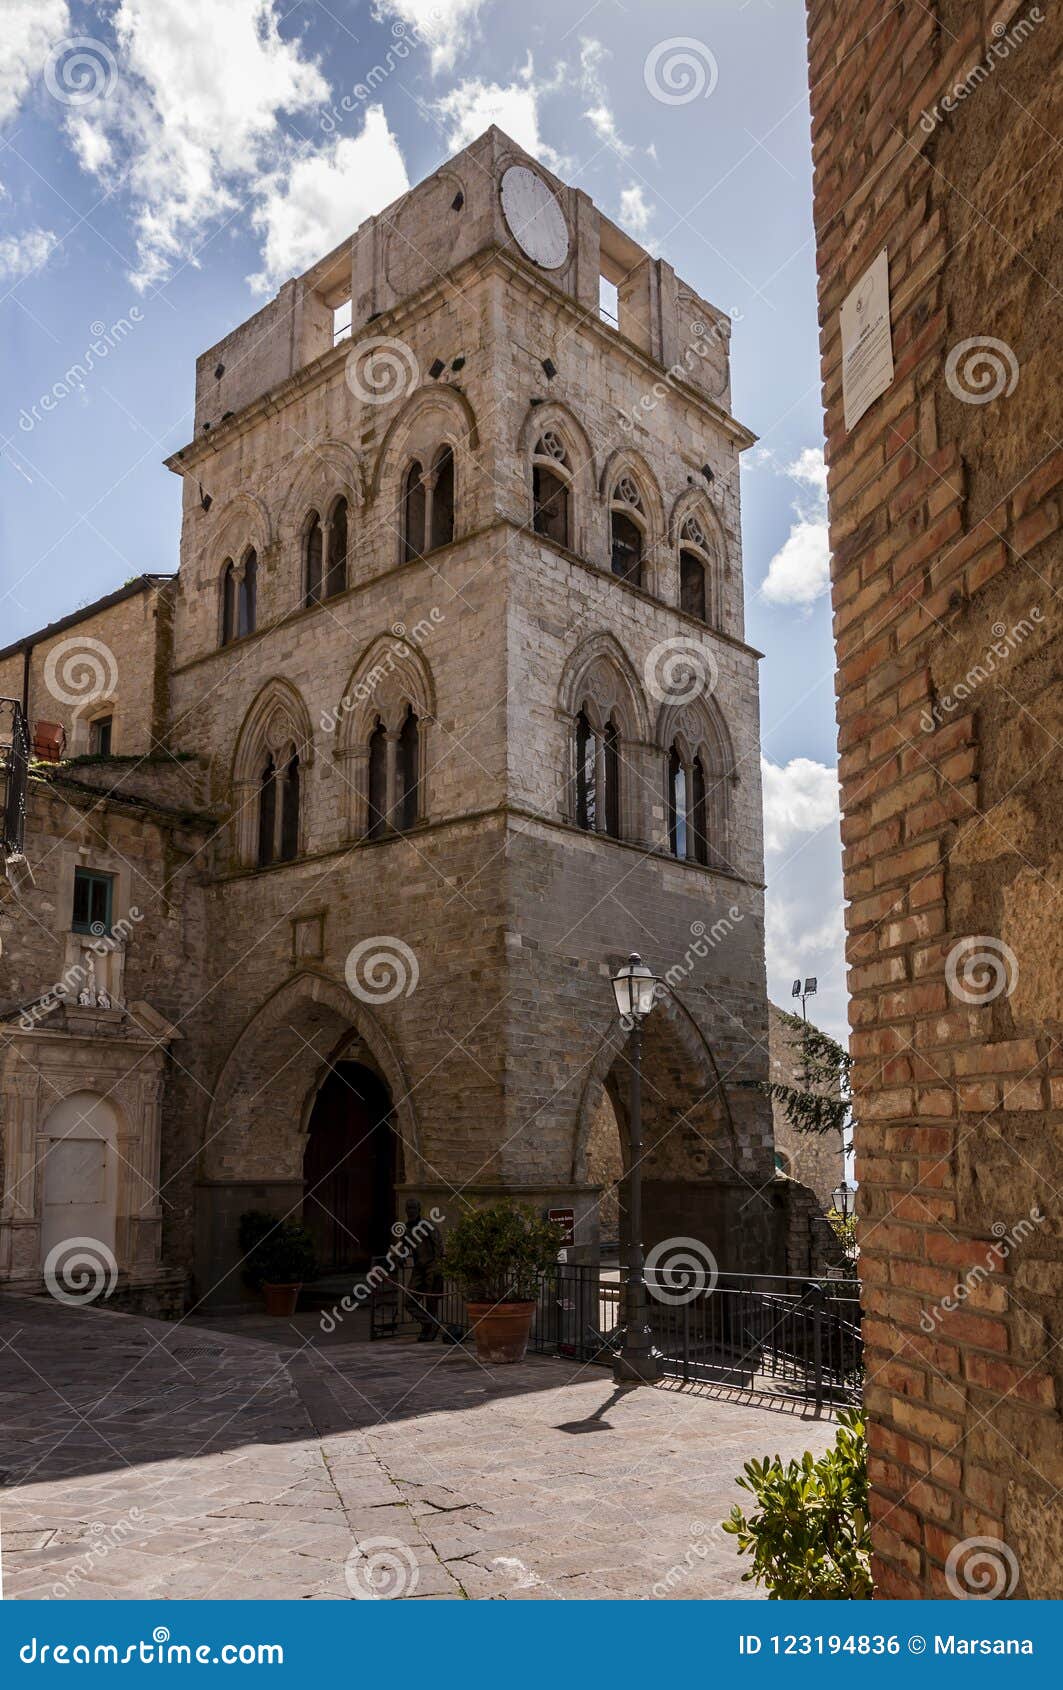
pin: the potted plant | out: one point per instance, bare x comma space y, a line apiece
279, 1259
498, 1256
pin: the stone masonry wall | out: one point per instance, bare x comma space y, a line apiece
933, 135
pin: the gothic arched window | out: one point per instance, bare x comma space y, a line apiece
335, 573
414, 510
552, 490
267, 814
289, 839
228, 602
698, 813
692, 595
626, 533
377, 818
313, 548
611, 771
586, 774
442, 498
408, 771
677, 803
247, 606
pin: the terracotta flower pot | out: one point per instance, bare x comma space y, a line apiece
281, 1299
501, 1330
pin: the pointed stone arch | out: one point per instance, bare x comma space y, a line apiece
600, 668
690, 1137
277, 724
262, 1099
431, 418
629, 487
694, 511
243, 524
391, 678
698, 730
555, 418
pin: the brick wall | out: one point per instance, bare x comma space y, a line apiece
945, 503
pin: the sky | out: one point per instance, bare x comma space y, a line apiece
166, 164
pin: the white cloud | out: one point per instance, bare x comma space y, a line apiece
599, 115
193, 128
800, 796
325, 196
446, 26
636, 211
30, 28
20, 254
474, 105
799, 573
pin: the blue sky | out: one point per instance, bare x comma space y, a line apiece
164, 164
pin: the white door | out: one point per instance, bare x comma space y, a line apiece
75, 1193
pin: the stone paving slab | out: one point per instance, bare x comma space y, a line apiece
264, 1466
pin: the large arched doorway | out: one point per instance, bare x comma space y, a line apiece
350, 1168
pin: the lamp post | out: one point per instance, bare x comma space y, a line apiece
844, 1199
634, 987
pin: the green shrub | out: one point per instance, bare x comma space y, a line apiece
809, 1537
276, 1252
498, 1254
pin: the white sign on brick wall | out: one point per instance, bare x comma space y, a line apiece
867, 345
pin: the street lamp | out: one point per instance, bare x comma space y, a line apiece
635, 989
808, 990
842, 1198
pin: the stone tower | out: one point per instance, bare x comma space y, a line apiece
459, 630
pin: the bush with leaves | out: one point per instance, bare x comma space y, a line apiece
820, 1101
498, 1254
276, 1252
809, 1535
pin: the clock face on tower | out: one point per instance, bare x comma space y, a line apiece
534, 218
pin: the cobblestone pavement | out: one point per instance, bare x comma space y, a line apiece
145, 1459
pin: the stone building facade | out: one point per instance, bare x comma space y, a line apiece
815, 1159
932, 135
459, 711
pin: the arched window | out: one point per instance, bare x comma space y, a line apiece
378, 782
611, 769
626, 533
228, 602
551, 490
597, 769
677, 803
586, 774
698, 813
692, 596
289, 840
408, 771
336, 565
313, 547
414, 510
267, 814
442, 498
248, 595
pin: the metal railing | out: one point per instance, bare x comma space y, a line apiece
796, 1338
